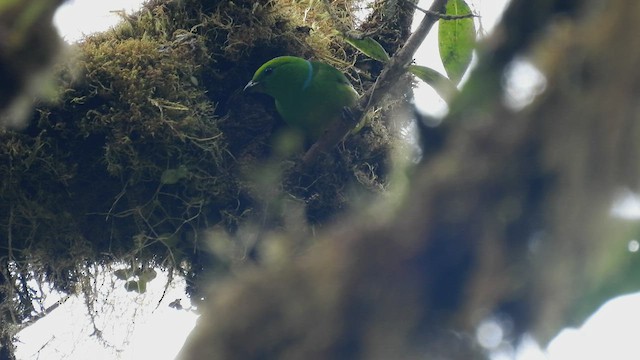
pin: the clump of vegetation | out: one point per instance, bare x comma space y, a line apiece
152, 141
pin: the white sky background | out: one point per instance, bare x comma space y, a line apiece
76, 18
612, 333
133, 326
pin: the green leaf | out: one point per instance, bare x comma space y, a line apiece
456, 40
440, 83
369, 47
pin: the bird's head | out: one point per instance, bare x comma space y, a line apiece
279, 75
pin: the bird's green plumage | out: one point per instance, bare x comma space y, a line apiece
309, 95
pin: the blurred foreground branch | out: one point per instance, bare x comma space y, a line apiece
511, 217
28, 45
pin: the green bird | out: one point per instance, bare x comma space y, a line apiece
309, 95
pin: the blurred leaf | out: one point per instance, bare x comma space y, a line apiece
173, 176
440, 83
456, 40
147, 275
168, 239
369, 47
138, 286
131, 285
619, 276
142, 287
175, 304
123, 274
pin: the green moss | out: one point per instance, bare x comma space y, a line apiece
152, 139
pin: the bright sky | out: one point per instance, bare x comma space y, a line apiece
144, 332
76, 18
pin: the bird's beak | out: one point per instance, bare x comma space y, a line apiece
250, 85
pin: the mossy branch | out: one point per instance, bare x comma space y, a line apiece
391, 74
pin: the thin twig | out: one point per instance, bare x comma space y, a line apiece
391, 74
441, 15
43, 313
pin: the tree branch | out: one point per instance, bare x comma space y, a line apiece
391, 74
